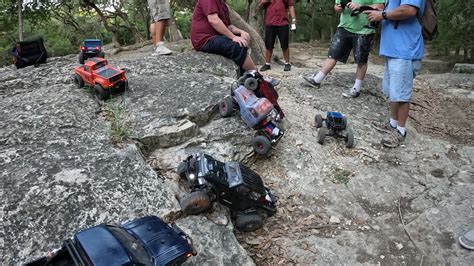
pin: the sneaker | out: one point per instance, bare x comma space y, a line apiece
265, 68
384, 126
310, 81
393, 139
351, 93
467, 239
287, 67
161, 50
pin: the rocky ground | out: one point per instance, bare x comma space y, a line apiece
69, 161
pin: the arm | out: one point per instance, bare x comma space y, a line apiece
292, 13
400, 13
220, 27
239, 32
354, 6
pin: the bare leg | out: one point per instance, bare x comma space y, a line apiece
152, 32
328, 65
268, 55
286, 55
248, 64
394, 110
160, 28
361, 70
403, 110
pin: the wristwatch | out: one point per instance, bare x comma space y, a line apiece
384, 15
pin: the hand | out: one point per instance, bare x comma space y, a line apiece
293, 27
353, 6
241, 41
338, 8
374, 15
245, 35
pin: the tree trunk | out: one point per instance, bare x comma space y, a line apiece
256, 43
20, 20
174, 33
255, 17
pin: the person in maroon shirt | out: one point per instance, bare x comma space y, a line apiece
212, 32
276, 24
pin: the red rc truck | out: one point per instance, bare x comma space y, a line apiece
101, 77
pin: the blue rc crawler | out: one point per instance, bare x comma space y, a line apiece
335, 125
144, 241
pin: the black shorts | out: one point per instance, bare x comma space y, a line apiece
344, 41
271, 32
224, 46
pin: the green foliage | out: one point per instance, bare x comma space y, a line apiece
341, 176
119, 129
183, 17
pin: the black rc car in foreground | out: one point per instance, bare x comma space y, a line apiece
232, 184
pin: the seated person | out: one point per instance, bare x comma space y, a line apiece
212, 32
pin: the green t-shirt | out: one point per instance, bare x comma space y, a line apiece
356, 24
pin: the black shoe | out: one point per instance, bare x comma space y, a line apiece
310, 81
287, 67
265, 68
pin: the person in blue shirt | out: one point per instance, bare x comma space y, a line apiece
402, 46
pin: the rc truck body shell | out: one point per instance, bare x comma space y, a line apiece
255, 109
97, 71
90, 48
145, 241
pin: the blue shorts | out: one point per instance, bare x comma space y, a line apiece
398, 78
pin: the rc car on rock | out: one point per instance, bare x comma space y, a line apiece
90, 48
232, 184
256, 99
334, 125
144, 241
101, 77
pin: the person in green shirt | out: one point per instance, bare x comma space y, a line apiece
353, 33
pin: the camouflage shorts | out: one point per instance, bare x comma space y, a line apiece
159, 9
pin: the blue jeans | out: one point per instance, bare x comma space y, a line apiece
398, 78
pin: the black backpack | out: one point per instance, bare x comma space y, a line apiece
28, 53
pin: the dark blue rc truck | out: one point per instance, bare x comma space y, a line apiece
90, 48
335, 125
145, 241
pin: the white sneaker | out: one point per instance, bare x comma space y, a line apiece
162, 50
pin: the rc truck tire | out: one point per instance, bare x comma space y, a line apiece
249, 222
81, 58
261, 145
318, 121
78, 80
251, 84
344, 122
349, 139
195, 202
101, 54
101, 93
226, 107
125, 85
181, 170
322, 135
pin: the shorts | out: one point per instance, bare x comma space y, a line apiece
224, 46
271, 32
344, 41
398, 78
159, 10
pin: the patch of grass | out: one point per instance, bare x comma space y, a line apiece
341, 176
119, 127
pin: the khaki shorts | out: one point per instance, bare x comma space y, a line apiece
159, 10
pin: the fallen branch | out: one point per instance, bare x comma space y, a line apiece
406, 231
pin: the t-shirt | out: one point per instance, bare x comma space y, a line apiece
357, 24
276, 13
201, 29
405, 42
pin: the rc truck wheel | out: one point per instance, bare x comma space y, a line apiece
125, 85
318, 121
322, 135
249, 222
181, 170
241, 80
350, 139
78, 80
226, 107
251, 84
261, 145
101, 54
81, 58
101, 93
344, 122
195, 202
